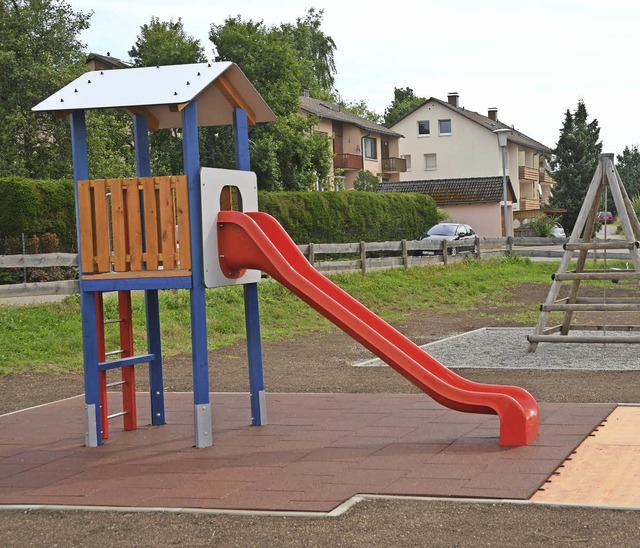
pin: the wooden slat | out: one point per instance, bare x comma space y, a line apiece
235, 98
86, 225
184, 230
167, 222
141, 274
101, 225
118, 226
134, 225
150, 223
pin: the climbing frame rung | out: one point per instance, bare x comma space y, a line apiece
134, 226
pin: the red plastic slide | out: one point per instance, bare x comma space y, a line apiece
256, 240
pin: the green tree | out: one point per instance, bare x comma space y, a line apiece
367, 181
280, 61
628, 166
39, 53
574, 162
167, 43
404, 101
314, 52
361, 108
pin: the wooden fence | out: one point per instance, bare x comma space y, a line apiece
327, 258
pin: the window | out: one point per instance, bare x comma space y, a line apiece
423, 127
444, 127
370, 148
430, 163
407, 161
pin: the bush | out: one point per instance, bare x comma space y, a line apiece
349, 216
542, 226
36, 207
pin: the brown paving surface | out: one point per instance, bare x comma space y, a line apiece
318, 451
605, 469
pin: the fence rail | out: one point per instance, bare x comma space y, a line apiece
361, 256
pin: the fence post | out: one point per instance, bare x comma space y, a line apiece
363, 258
477, 241
509, 248
444, 252
312, 255
405, 255
24, 252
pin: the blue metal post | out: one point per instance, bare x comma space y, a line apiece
251, 309
152, 305
93, 429
200, 363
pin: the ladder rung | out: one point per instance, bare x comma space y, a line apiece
591, 275
115, 383
122, 413
118, 320
114, 352
591, 307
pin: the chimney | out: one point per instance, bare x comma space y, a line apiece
452, 98
493, 114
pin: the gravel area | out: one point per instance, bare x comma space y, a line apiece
507, 348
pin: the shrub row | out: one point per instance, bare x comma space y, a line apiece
350, 216
36, 207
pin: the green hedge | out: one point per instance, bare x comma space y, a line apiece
350, 216
37, 206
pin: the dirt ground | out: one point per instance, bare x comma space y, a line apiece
321, 363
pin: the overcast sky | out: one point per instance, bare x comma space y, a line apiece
530, 60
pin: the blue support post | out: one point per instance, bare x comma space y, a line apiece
200, 359
251, 309
93, 429
152, 306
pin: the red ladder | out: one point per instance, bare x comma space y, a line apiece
128, 382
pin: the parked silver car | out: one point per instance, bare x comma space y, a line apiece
452, 232
557, 231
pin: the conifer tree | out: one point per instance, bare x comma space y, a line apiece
574, 162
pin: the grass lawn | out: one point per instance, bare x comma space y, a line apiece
48, 337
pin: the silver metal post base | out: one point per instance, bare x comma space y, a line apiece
202, 425
90, 426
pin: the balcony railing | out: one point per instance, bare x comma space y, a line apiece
529, 173
347, 161
545, 177
394, 165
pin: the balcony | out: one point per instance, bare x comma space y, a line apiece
528, 173
347, 161
545, 177
394, 165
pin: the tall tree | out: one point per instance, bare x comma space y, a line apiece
404, 101
167, 43
39, 53
628, 166
315, 53
287, 154
574, 162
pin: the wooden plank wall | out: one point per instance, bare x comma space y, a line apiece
135, 227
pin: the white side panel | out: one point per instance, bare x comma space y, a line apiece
213, 181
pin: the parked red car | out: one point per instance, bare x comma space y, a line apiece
605, 217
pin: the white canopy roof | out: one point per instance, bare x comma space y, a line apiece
162, 92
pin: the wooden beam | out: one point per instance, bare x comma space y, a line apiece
232, 95
152, 121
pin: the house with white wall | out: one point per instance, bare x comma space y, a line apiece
358, 144
443, 140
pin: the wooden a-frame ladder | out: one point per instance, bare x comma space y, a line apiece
580, 242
